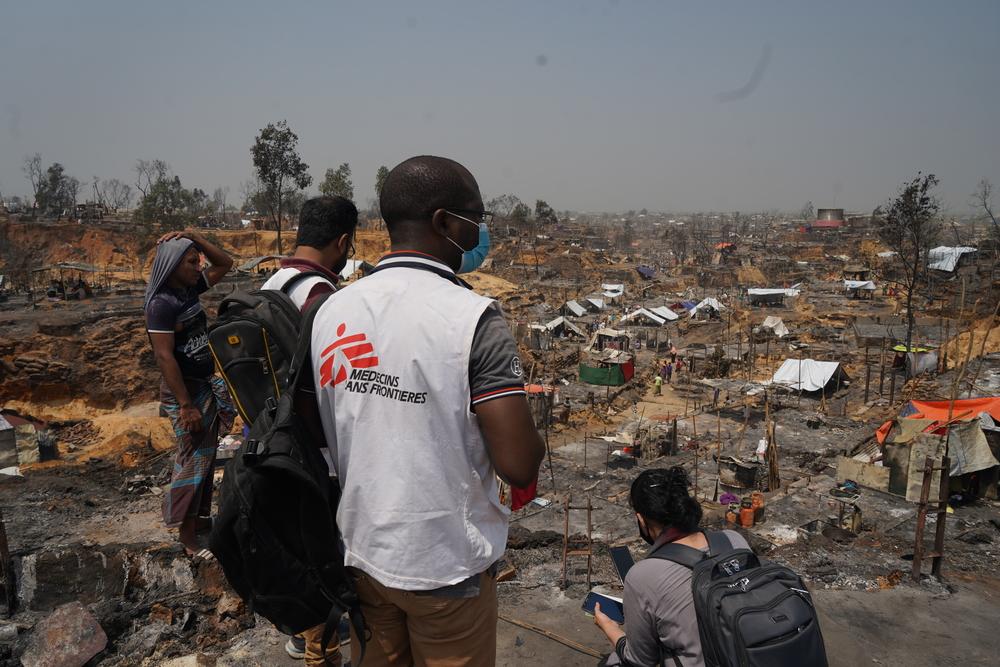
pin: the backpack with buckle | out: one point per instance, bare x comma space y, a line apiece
750, 614
252, 342
276, 533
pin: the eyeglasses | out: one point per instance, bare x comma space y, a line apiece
350, 250
477, 216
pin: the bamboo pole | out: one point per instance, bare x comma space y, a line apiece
576, 646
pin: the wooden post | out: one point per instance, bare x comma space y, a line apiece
565, 538
944, 348
892, 387
548, 450
590, 540
937, 558
696, 470
961, 305
918, 542
799, 404
868, 381
881, 373
940, 368
739, 345
674, 445
773, 477
584, 450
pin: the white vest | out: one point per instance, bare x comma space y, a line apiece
420, 506
300, 290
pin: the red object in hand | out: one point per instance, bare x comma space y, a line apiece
521, 497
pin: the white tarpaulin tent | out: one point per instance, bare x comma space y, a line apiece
859, 285
575, 309
566, 325
945, 258
613, 291
665, 313
643, 314
770, 291
776, 325
806, 374
595, 302
707, 303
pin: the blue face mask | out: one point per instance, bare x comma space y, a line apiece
473, 259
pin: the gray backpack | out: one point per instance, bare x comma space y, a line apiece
750, 614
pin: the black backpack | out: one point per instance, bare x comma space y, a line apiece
749, 614
276, 533
252, 342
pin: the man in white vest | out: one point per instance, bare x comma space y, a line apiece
422, 402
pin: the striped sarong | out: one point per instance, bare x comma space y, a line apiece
190, 493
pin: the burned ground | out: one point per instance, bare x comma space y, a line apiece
86, 526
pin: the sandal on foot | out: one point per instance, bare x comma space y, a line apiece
203, 555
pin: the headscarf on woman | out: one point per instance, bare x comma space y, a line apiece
168, 256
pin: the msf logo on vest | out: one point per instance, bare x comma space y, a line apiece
353, 350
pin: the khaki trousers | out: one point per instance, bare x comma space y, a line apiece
314, 648
413, 629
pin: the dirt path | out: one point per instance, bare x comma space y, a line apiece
902, 626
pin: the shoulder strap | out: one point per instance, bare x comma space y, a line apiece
680, 554
300, 276
301, 355
718, 542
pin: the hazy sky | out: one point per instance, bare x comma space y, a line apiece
589, 105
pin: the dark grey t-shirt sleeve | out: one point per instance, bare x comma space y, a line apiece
494, 365
161, 314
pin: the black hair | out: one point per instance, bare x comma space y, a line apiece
417, 187
661, 495
323, 220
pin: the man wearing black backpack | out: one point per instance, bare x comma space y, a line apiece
422, 400
323, 244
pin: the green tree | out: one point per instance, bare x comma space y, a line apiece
503, 205
984, 199
337, 182
545, 213
520, 213
170, 204
380, 176
808, 213
32, 168
57, 191
279, 168
908, 225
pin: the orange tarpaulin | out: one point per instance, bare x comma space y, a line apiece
965, 410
